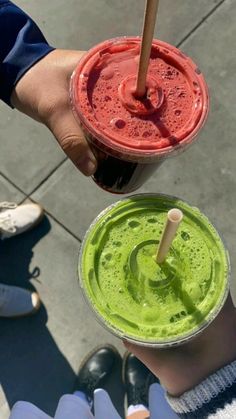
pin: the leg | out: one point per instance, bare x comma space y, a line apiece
158, 405
14, 220
25, 410
103, 406
17, 302
69, 406
72, 407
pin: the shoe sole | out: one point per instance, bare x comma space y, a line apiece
124, 359
125, 356
29, 314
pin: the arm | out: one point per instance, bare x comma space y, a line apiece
22, 45
34, 78
202, 373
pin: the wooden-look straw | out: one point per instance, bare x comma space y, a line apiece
174, 217
147, 37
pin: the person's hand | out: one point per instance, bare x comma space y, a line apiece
181, 368
43, 94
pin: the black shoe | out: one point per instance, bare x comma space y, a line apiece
137, 379
95, 369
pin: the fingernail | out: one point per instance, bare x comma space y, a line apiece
88, 165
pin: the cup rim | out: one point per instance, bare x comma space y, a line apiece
138, 341
128, 153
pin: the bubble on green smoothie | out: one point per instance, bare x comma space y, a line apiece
108, 256
117, 243
185, 236
134, 224
152, 220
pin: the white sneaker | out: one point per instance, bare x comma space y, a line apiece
18, 219
17, 302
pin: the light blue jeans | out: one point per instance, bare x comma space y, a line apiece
72, 407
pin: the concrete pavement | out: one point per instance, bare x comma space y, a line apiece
39, 356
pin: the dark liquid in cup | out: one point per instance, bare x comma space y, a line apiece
121, 176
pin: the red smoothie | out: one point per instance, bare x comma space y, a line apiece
131, 136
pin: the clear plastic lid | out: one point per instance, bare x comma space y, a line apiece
167, 119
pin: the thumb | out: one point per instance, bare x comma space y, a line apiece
70, 137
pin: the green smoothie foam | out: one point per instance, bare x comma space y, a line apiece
136, 297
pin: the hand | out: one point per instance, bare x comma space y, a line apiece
181, 368
43, 94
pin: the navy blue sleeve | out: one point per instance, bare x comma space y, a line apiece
22, 44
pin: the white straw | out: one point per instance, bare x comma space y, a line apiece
174, 217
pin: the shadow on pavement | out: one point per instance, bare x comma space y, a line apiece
32, 368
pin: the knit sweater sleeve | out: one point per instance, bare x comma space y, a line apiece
213, 398
22, 44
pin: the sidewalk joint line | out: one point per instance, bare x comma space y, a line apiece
63, 226
13, 184
27, 195
199, 24
47, 177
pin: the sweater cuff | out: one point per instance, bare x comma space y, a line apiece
22, 45
32, 54
208, 391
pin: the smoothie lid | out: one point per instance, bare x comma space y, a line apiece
169, 118
155, 205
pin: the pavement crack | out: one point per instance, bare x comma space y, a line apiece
63, 226
199, 24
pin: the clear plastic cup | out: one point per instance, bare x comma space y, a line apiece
135, 298
132, 137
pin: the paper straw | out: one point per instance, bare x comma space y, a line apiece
147, 37
174, 217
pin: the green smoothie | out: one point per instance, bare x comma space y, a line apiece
133, 295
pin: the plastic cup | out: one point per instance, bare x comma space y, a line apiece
131, 137
134, 297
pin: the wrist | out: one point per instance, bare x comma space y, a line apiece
30, 88
203, 356
210, 395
